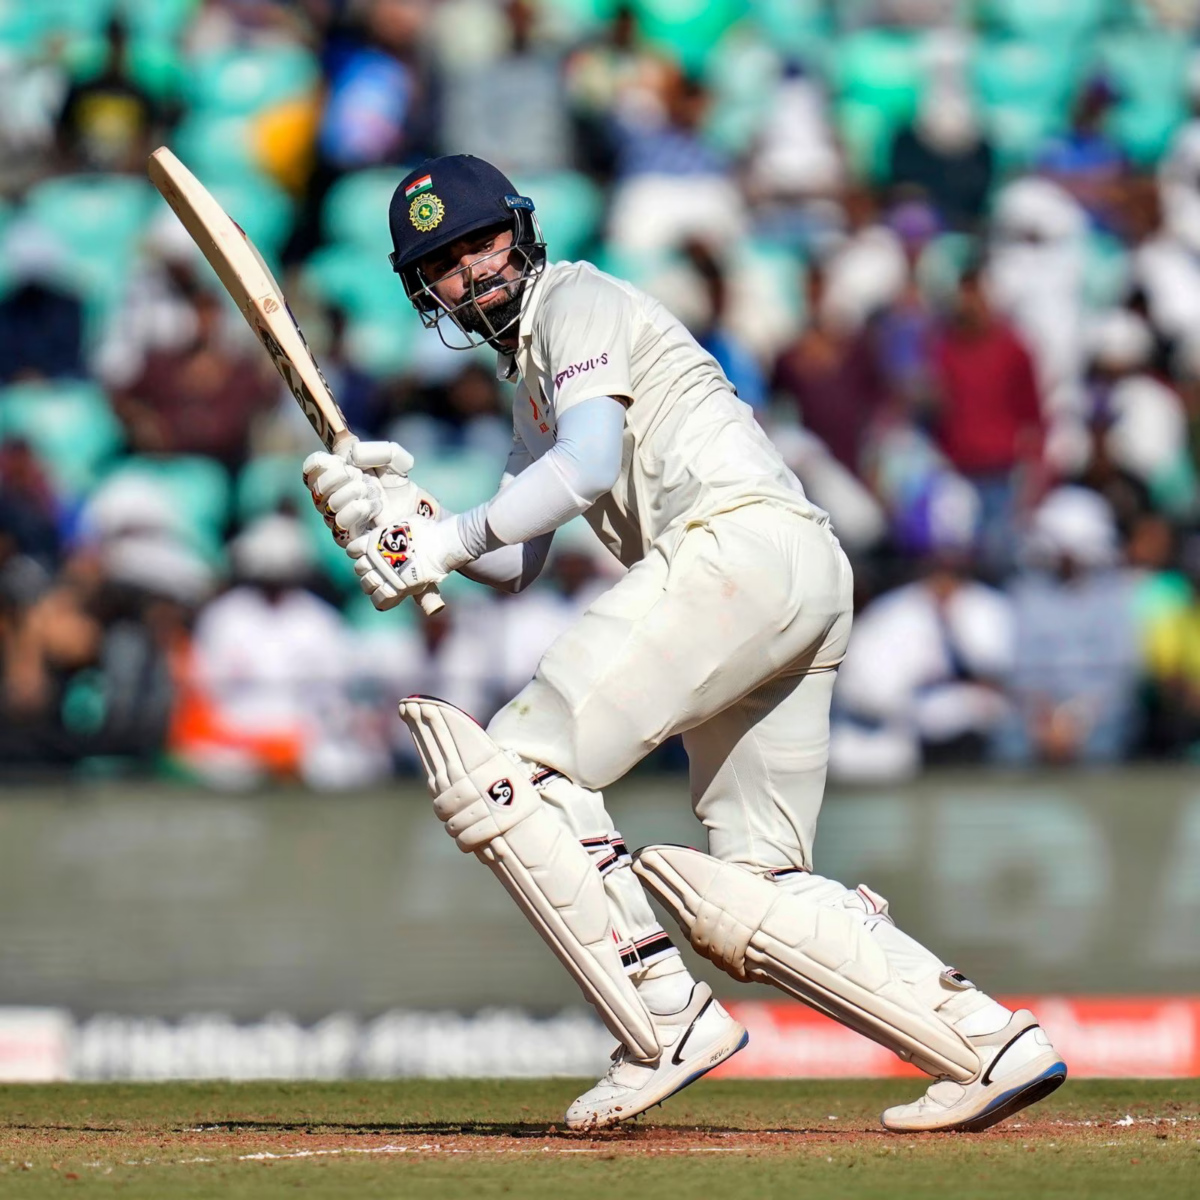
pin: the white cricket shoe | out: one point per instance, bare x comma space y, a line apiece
1021, 1067
695, 1039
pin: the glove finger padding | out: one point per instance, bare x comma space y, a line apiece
382, 456
492, 810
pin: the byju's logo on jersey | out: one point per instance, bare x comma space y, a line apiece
501, 792
573, 369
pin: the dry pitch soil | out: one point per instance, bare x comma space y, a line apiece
454, 1138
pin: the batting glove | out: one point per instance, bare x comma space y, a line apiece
365, 486
404, 557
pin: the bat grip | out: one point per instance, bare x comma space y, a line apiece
430, 601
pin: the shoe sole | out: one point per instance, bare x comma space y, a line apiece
1011, 1102
626, 1115
1002, 1107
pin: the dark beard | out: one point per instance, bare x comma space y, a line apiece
499, 316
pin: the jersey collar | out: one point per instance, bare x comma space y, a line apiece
509, 362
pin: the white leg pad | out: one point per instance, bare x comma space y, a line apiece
492, 811
820, 954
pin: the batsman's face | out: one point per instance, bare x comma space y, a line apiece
481, 266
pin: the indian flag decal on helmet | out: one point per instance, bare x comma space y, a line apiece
424, 184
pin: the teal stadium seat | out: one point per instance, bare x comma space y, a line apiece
1148, 68
881, 68
382, 324
1018, 71
246, 81
688, 29
215, 146
742, 81
22, 26
356, 208
1054, 22
867, 133
569, 207
460, 479
879, 80
154, 62
798, 29
160, 20
262, 208
200, 490
274, 481
1024, 89
98, 219
70, 426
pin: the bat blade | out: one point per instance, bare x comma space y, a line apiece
248, 280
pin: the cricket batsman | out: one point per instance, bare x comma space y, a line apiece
728, 628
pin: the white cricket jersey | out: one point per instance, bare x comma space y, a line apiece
691, 450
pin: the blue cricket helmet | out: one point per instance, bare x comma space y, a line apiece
445, 199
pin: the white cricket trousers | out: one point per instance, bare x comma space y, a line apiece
729, 634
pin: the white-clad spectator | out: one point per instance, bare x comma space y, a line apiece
865, 268
671, 183
1141, 419
1035, 277
921, 681
156, 311
797, 155
127, 505
1167, 263
275, 665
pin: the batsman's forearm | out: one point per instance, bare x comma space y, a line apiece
510, 568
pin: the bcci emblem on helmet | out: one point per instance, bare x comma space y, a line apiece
393, 546
426, 212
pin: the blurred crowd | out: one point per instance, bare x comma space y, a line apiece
948, 250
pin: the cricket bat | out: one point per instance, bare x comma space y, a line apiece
248, 279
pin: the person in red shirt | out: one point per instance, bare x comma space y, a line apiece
988, 413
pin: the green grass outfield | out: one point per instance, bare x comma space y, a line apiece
454, 1138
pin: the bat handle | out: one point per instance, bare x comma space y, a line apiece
430, 601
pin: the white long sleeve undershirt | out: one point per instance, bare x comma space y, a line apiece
509, 536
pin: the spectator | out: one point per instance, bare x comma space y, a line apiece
796, 167
200, 399
1035, 277
922, 682
526, 78
1140, 418
1076, 671
33, 514
1174, 658
944, 157
671, 184
381, 106
613, 80
714, 334
865, 264
41, 319
268, 690
1085, 160
833, 379
1165, 258
157, 311
905, 326
109, 123
987, 416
